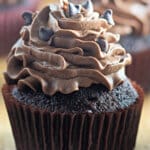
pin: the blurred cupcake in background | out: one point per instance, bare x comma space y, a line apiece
132, 18
11, 22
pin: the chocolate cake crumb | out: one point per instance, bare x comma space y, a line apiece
96, 98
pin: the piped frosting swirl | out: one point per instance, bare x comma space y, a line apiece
65, 48
131, 16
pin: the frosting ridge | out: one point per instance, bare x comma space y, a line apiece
61, 52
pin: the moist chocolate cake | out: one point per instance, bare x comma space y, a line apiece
66, 87
97, 98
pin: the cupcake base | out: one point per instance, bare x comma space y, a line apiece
37, 129
11, 23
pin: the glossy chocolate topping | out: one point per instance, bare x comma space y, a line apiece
64, 48
131, 16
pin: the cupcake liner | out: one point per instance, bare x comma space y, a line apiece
36, 129
11, 23
139, 71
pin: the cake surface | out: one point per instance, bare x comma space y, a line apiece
96, 98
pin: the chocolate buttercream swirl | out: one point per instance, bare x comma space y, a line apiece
131, 16
64, 49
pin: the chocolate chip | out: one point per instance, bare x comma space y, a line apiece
121, 60
45, 33
108, 16
88, 6
74, 9
78, 7
103, 44
27, 16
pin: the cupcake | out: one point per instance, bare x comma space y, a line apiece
11, 22
134, 27
66, 87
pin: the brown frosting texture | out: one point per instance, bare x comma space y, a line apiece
78, 52
131, 16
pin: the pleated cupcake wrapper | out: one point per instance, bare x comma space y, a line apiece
11, 23
138, 70
34, 129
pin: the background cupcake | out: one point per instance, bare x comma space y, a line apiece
66, 86
133, 23
11, 21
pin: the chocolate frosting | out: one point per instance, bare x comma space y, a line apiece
78, 53
131, 16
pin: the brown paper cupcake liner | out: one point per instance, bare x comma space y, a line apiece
11, 23
139, 70
36, 129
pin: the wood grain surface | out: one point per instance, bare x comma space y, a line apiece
6, 138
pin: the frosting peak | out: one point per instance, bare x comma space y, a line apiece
65, 48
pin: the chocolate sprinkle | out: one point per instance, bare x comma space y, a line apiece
103, 44
108, 16
74, 9
27, 16
88, 5
45, 33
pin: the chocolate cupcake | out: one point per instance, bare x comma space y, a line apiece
11, 21
66, 87
134, 27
